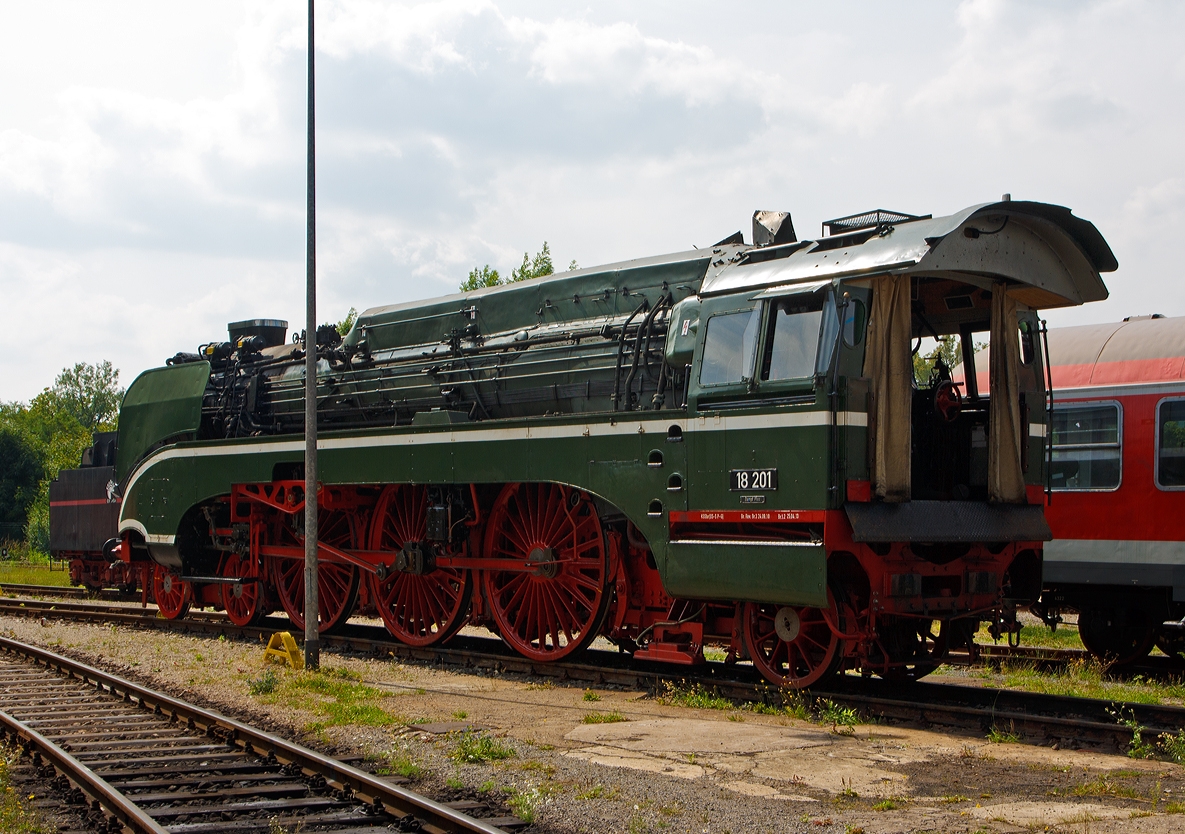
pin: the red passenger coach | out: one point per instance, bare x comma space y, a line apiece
1118, 481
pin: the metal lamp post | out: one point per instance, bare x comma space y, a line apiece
312, 639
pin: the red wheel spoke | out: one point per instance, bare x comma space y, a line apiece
417, 610
813, 654
551, 611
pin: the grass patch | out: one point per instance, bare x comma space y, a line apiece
836, 715
474, 748
695, 696
1040, 635
20, 573
998, 736
613, 717
265, 684
400, 763
589, 695
885, 805
1105, 784
332, 694
525, 804
1084, 678
15, 817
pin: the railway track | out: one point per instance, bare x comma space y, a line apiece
127, 757
1034, 717
67, 592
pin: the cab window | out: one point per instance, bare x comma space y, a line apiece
729, 347
793, 339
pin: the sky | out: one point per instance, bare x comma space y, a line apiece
152, 155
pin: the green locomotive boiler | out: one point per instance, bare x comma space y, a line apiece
725, 446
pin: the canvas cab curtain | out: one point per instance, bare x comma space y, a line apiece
888, 364
1006, 482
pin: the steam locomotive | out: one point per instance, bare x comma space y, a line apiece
724, 446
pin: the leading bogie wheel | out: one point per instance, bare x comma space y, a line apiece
172, 594
793, 646
418, 609
337, 582
556, 608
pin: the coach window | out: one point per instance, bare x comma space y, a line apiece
1170, 444
1087, 440
729, 346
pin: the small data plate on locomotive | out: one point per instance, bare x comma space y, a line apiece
752, 480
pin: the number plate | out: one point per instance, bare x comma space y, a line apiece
752, 480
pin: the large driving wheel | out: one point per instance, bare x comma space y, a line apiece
337, 582
556, 608
418, 609
173, 596
243, 601
1119, 635
792, 646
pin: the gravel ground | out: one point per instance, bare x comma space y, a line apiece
646, 765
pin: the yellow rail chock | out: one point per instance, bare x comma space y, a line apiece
282, 648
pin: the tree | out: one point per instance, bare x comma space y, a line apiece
345, 325
530, 268
537, 268
480, 278
89, 393
58, 424
21, 471
948, 350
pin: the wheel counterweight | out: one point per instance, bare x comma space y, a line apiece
418, 609
555, 609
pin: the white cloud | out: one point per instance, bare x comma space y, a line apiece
161, 180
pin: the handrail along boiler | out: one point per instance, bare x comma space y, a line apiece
722, 446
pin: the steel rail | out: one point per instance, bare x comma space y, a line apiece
397, 801
67, 592
126, 811
1033, 715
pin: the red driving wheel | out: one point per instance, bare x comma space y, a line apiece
792, 646
337, 582
418, 609
555, 609
243, 601
173, 596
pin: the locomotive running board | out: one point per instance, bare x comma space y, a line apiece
947, 521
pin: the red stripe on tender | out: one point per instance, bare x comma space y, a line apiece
749, 516
86, 502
